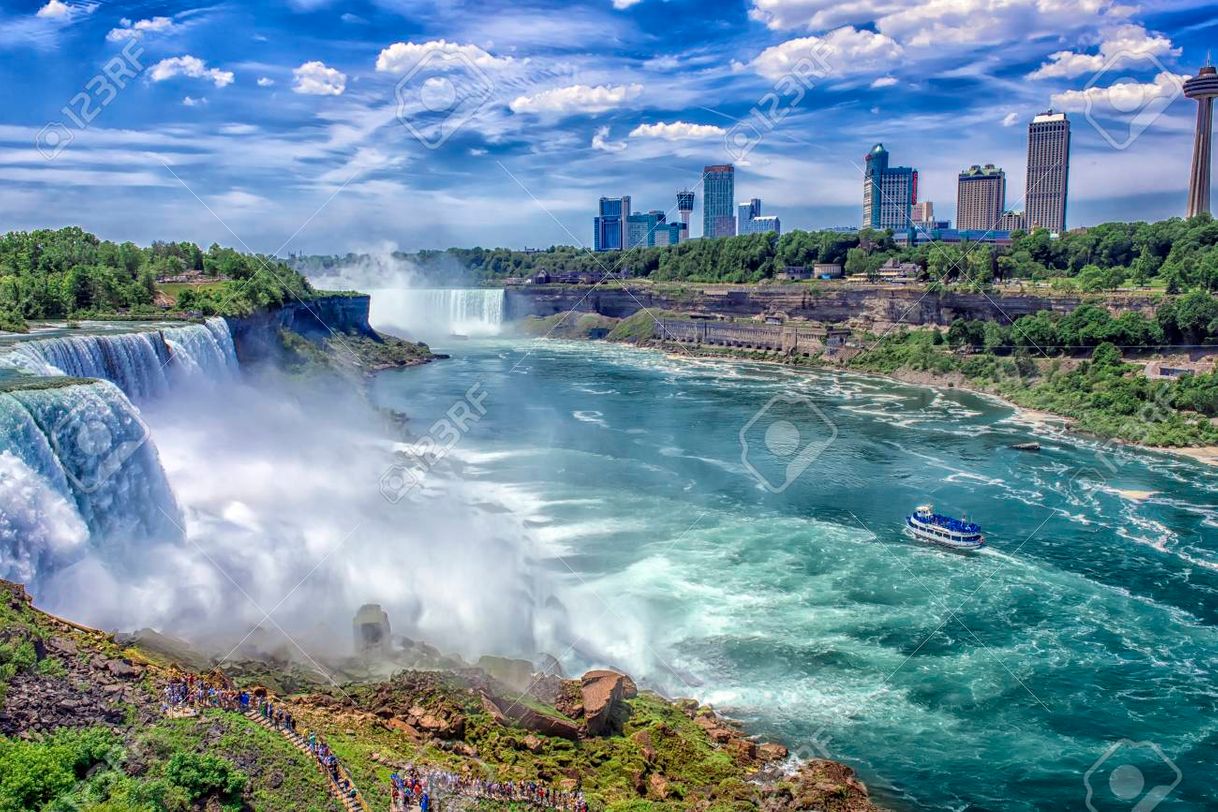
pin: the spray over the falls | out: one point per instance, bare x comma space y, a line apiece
230, 500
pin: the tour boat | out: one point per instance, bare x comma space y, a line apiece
957, 534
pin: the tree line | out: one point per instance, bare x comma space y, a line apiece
1174, 255
70, 273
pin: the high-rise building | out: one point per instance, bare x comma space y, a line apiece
889, 192
718, 197
641, 228
924, 212
745, 212
610, 226
1012, 221
1203, 87
1048, 172
981, 198
750, 220
685, 207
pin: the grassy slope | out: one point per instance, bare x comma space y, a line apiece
134, 771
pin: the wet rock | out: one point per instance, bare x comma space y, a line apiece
770, 751
601, 692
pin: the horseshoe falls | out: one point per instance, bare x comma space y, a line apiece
437, 313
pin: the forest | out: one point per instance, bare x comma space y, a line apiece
70, 273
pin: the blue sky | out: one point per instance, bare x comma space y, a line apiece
321, 126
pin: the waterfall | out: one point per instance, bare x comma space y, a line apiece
143, 364
76, 466
78, 469
432, 313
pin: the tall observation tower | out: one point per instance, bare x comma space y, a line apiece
1203, 87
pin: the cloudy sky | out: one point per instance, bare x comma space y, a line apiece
319, 126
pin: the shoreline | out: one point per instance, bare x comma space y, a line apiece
1035, 418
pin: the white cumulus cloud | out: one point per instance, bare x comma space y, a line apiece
885, 81
265, 81
55, 10
317, 79
842, 52
133, 30
1127, 96
436, 55
600, 141
576, 99
1121, 46
676, 131
190, 66
190, 101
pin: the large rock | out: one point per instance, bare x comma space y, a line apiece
602, 692
821, 785
507, 712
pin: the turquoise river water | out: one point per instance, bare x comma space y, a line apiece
733, 532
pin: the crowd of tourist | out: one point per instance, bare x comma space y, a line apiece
421, 787
412, 788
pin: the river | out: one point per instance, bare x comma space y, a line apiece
731, 531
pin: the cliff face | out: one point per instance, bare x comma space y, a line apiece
831, 303
257, 336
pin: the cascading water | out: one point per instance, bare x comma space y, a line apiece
77, 466
438, 312
143, 364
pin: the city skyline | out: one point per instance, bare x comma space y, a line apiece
242, 122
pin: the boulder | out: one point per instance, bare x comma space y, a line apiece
770, 751
657, 787
629, 689
602, 692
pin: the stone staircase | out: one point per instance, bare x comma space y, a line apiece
350, 803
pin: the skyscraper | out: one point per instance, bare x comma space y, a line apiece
609, 227
889, 192
1048, 172
981, 198
750, 220
718, 197
745, 212
924, 211
1203, 87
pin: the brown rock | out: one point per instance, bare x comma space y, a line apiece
122, 669
533, 744
602, 692
646, 747
657, 787
629, 689
403, 727
770, 751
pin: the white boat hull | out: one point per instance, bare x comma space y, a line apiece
944, 539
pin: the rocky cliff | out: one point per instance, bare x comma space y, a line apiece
830, 302
257, 336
